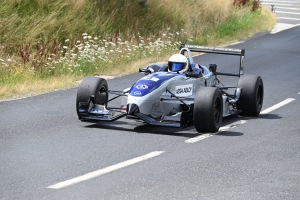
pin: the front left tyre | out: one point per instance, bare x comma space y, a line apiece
92, 86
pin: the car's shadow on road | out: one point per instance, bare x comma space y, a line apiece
189, 132
234, 118
269, 116
143, 128
229, 133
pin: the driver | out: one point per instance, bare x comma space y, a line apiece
178, 63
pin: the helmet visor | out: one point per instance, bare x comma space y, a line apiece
175, 67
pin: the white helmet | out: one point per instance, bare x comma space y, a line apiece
178, 63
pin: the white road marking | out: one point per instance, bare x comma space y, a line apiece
289, 18
106, 170
278, 1
198, 138
268, 110
232, 125
284, 12
207, 135
287, 8
279, 4
282, 26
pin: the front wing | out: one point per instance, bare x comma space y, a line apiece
88, 111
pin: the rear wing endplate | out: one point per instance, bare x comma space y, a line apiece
220, 50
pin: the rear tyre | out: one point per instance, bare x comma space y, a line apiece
92, 86
208, 109
251, 99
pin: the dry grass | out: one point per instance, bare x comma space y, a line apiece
199, 21
267, 23
133, 67
30, 88
201, 14
38, 86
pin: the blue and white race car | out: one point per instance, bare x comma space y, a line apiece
179, 94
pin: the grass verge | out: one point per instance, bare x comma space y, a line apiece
53, 67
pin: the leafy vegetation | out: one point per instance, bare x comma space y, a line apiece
42, 40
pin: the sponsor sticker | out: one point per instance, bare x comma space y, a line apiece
138, 93
184, 90
142, 86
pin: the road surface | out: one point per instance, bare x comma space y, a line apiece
47, 153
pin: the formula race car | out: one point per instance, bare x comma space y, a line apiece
178, 94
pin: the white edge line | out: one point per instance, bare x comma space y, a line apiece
106, 170
268, 110
282, 26
198, 138
207, 135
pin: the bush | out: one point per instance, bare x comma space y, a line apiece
254, 3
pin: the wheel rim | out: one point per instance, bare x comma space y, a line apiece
217, 110
102, 95
259, 98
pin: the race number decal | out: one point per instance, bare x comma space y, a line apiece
184, 90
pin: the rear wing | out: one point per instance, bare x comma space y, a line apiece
220, 50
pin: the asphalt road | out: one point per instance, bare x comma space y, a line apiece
42, 143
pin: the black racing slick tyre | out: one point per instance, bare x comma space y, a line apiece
92, 86
208, 109
252, 96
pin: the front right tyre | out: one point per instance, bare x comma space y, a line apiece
208, 109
